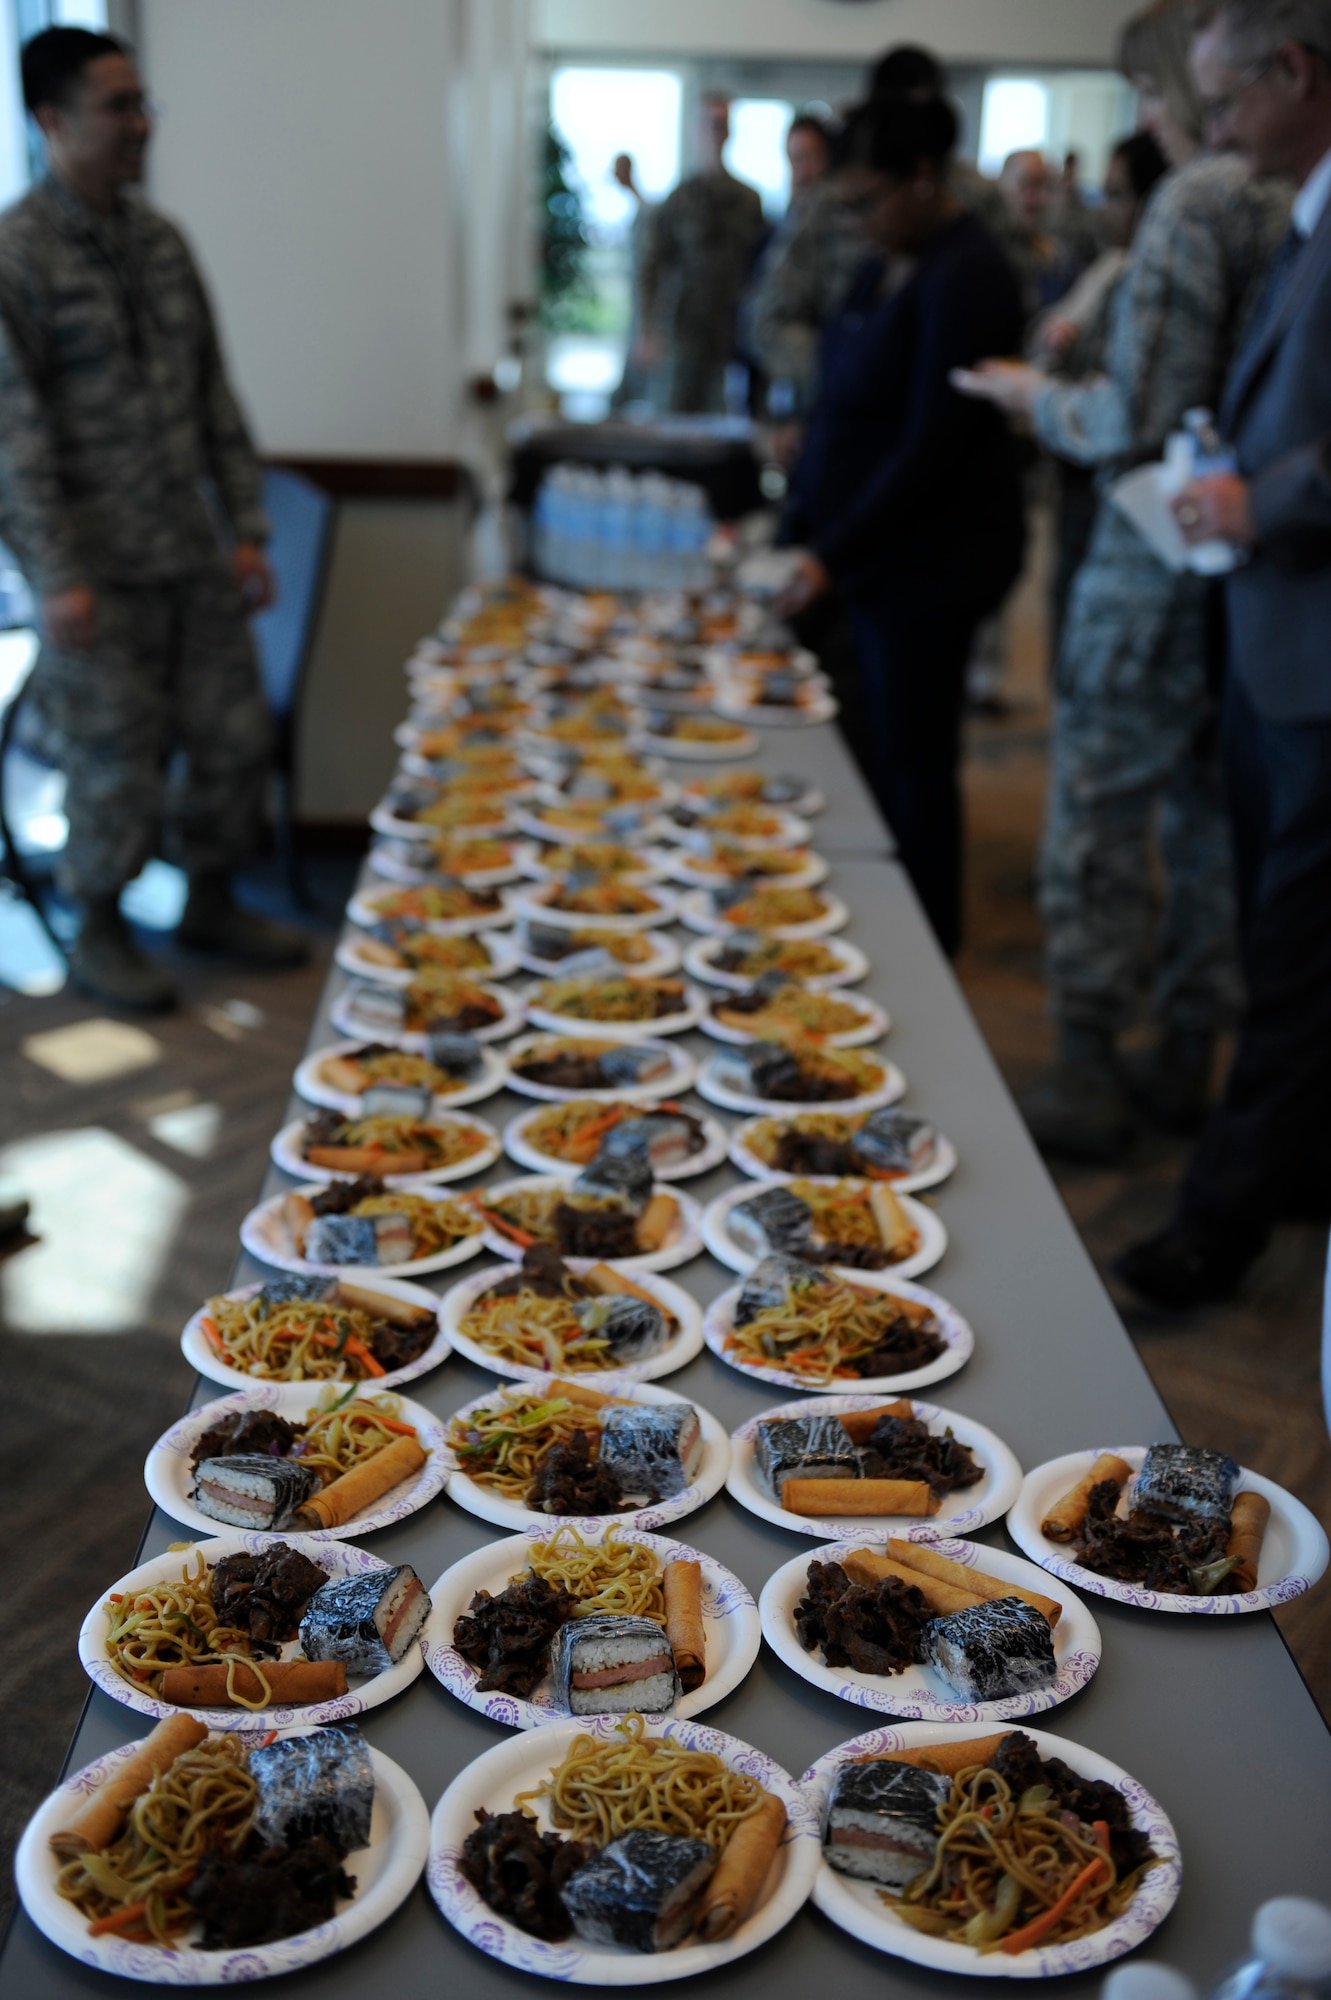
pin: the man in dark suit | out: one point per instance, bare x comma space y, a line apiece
1264, 67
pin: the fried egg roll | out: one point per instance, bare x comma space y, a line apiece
290, 1681
365, 1482
741, 1871
919, 1556
684, 1627
859, 1424
1247, 1525
100, 1818
858, 1496
945, 1758
870, 1566
1064, 1518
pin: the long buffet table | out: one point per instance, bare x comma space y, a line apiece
1209, 1714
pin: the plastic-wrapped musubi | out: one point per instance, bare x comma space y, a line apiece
654, 1449
891, 1142
779, 1281
607, 1664
368, 1621
633, 1328
882, 1820
317, 1785
777, 1221
250, 1489
992, 1650
1184, 1482
758, 1069
814, 1447
460, 1055
641, 1890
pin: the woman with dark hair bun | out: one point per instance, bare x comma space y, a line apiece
907, 495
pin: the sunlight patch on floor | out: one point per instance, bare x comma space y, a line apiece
191, 1128
93, 1051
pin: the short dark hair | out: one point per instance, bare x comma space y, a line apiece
895, 130
54, 61
1143, 160
908, 68
804, 121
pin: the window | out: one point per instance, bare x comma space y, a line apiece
756, 152
1015, 116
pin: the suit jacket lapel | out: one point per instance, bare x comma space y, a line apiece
1313, 265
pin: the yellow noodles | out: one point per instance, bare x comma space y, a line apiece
435, 1225
336, 1440
502, 1446
538, 1332
612, 1576
630, 1779
174, 1625
298, 1340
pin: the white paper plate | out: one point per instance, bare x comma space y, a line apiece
364, 909
488, 1505
730, 1624
716, 1092
955, 1332
873, 1024
533, 902
818, 708
722, 661
717, 1236
309, 1081
687, 870
700, 963
656, 863
265, 1235
389, 827
689, 1016
349, 1018
531, 821
695, 910
664, 959
338, 1559
349, 956
960, 1512
395, 867
711, 1154
169, 1476
285, 1153
857, 1908
686, 1240
941, 1163
809, 802
199, 1352
1294, 1549
919, 1693
692, 752
792, 831
495, 1778
386, 1872
673, 1083
675, 1354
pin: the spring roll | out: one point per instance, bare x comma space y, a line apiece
741, 1871
859, 1424
684, 1626
339, 1073
382, 1305
895, 1230
918, 1556
1247, 1525
365, 1482
945, 1758
1064, 1518
656, 1222
290, 1681
378, 953
100, 1818
366, 1160
589, 1399
602, 1279
298, 1214
870, 1566
818, 1497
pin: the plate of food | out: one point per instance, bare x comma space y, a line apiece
613, 1003
243, 1625
559, 1067
633, 1896
803, 1327
613, 1212
396, 953
565, 1620
779, 788
1169, 1527
626, 863
572, 1316
405, 848
645, 1456
741, 823
326, 1226
851, 1225
446, 1146
776, 911
858, 1465
251, 1460
562, 1138
547, 948
891, 1879
883, 1145
372, 1079
774, 1076
444, 909
775, 701
702, 739
937, 1632
717, 861
296, 1849
433, 1003
737, 960
604, 900
361, 1328
479, 862
778, 1006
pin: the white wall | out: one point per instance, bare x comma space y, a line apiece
1016, 31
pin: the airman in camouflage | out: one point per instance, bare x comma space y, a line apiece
121, 445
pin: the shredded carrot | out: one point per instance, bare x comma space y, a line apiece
213, 1336
1040, 1926
1100, 1828
360, 1352
522, 1237
264, 1741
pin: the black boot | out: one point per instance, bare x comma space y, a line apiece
1188, 1264
1079, 1110
214, 922
105, 961
1170, 1084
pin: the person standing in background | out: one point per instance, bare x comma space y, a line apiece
696, 263
1042, 263
1133, 774
635, 383
116, 420
1264, 69
1071, 218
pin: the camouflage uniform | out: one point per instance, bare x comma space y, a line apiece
694, 268
1132, 753
115, 416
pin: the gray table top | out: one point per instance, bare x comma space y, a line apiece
1210, 1715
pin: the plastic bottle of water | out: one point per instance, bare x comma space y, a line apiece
1143, 1980
1290, 1957
617, 515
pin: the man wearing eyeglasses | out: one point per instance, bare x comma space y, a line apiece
1264, 69
123, 455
